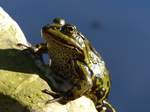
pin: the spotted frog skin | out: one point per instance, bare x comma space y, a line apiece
75, 59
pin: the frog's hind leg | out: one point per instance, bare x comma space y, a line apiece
92, 96
104, 106
83, 84
101, 105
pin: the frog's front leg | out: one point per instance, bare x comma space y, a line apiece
37, 50
81, 87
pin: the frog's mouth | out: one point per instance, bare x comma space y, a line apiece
48, 34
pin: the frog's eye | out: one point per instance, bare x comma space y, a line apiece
69, 28
59, 21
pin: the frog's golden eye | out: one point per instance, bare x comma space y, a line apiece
59, 21
69, 28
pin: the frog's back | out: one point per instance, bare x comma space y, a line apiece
100, 76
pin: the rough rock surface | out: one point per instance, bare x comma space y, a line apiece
21, 81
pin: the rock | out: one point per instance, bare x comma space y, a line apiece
21, 81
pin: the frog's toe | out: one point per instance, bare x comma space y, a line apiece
54, 100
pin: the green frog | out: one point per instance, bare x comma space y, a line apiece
73, 57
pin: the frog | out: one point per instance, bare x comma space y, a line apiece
73, 57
